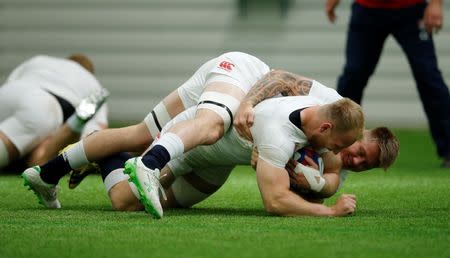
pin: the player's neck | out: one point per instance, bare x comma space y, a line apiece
309, 120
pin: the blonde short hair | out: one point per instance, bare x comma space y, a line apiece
346, 114
84, 61
388, 144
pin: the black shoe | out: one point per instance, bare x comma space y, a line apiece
78, 175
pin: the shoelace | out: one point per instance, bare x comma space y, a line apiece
160, 187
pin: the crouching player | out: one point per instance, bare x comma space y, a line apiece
197, 176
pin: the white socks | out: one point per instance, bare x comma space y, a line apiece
76, 156
173, 144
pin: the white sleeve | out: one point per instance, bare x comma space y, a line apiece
274, 155
273, 147
324, 93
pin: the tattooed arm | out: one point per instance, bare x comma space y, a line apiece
273, 83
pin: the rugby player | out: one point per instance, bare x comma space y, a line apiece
202, 171
46, 104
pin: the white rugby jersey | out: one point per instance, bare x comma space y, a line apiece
324, 93
244, 68
63, 77
275, 136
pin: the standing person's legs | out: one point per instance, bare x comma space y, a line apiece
367, 33
433, 91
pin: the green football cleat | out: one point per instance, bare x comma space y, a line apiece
147, 183
46, 193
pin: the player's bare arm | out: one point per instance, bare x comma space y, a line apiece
278, 82
273, 183
273, 83
302, 184
330, 174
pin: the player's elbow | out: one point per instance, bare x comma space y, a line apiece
274, 205
273, 208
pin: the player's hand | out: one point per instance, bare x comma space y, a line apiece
433, 18
244, 120
345, 205
255, 156
297, 179
330, 5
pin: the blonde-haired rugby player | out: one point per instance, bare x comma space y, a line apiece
281, 126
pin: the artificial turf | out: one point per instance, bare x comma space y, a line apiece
404, 212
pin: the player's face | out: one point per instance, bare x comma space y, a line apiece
360, 156
334, 142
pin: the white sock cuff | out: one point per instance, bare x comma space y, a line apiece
4, 155
173, 144
114, 178
76, 156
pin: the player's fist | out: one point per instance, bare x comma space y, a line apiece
244, 120
345, 205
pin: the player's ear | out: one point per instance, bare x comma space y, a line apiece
324, 127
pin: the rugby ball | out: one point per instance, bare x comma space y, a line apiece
300, 155
300, 185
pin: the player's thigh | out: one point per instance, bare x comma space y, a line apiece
219, 102
192, 188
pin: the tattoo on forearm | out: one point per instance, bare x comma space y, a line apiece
278, 82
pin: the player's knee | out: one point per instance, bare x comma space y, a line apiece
210, 125
118, 205
121, 204
122, 197
222, 105
214, 134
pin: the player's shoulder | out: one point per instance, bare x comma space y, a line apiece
326, 94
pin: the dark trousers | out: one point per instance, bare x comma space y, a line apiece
367, 33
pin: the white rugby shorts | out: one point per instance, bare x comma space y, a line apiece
28, 114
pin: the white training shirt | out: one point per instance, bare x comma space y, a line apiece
62, 77
30, 113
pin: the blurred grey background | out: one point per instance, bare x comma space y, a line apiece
143, 49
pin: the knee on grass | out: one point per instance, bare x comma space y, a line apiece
123, 199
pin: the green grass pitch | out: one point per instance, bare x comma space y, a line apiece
404, 212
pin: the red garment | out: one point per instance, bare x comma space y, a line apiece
388, 4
